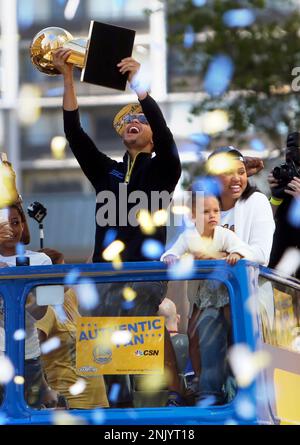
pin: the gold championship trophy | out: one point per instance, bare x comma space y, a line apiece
9, 195
97, 55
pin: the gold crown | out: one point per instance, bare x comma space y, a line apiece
118, 122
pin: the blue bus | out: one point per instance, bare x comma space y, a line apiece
265, 318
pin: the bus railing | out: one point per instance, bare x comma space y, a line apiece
16, 283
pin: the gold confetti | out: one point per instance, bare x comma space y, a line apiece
113, 251
146, 222
19, 380
214, 122
129, 294
220, 163
58, 147
160, 217
29, 109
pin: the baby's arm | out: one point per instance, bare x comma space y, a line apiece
176, 251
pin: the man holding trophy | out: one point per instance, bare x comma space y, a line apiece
143, 130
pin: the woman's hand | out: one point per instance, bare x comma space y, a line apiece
253, 165
170, 260
233, 258
295, 186
6, 232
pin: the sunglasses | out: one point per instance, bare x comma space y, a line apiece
131, 117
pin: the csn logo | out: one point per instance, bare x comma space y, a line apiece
147, 352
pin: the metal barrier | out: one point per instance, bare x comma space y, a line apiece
15, 284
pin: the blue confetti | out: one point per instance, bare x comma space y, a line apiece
20, 249
208, 401
239, 17
218, 75
120, 3
244, 407
110, 237
257, 145
294, 213
201, 139
98, 416
183, 269
127, 305
72, 277
189, 37
199, 2
3, 419
282, 128
114, 392
152, 249
210, 185
87, 294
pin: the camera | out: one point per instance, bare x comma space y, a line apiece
37, 211
284, 173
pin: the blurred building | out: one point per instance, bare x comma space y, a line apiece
31, 108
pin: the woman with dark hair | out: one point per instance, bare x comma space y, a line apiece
248, 213
37, 392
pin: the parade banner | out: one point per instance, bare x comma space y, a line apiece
120, 345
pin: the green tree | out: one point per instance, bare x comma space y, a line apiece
259, 98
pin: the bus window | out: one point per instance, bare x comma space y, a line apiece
105, 343
279, 313
280, 333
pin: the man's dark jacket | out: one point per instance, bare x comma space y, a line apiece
149, 173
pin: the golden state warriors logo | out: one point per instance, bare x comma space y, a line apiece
102, 355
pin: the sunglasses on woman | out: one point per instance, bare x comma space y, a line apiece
131, 117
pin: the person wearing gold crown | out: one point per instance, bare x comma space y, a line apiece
144, 132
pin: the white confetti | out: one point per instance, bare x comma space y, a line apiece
182, 269
19, 380
78, 387
50, 345
121, 337
19, 334
246, 364
64, 418
87, 294
7, 370
244, 407
289, 262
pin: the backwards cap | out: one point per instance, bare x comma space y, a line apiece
118, 122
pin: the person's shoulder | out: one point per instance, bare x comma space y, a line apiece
257, 197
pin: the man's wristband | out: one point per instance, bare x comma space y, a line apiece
275, 201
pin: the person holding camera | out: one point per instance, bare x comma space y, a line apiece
284, 183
